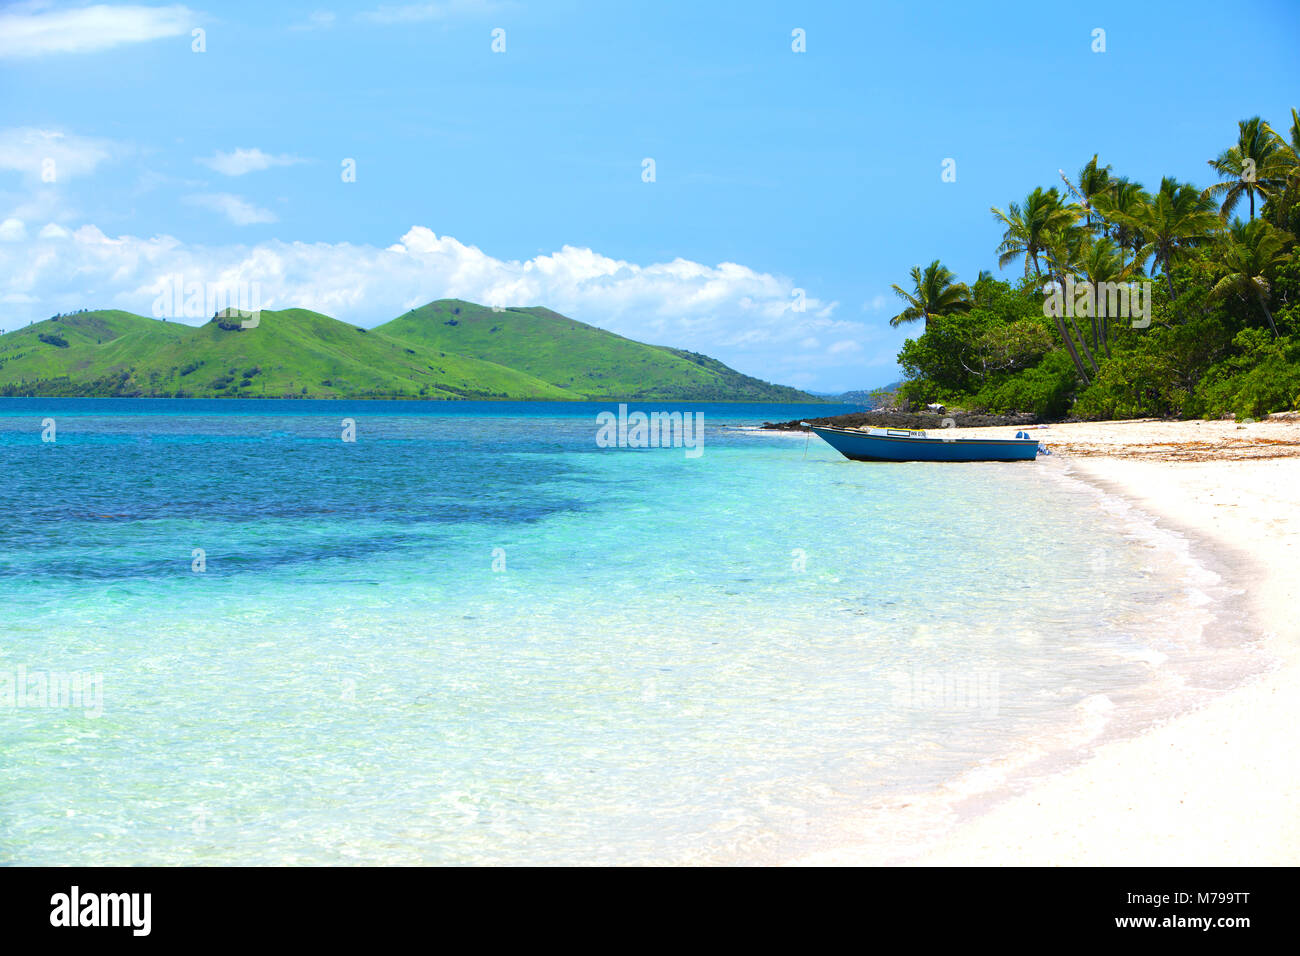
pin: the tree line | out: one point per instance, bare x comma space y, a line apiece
1218, 266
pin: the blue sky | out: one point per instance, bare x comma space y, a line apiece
518, 176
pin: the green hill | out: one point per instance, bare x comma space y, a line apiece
585, 361
530, 354
293, 352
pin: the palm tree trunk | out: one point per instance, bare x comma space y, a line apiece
1069, 343
1083, 341
1263, 305
1074, 354
1169, 278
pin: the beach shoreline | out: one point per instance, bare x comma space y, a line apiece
1213, 785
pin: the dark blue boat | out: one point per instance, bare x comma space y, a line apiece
905, 444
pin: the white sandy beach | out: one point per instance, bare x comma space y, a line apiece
1219, 785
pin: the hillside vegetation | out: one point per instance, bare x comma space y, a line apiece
445, 350
576, 357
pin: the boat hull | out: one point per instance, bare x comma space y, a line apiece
866, 446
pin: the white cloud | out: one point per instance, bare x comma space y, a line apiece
318, 20
843, 346
12, 230
33, 30
243, 161
40, 154
875, 303
53, 230
744, 317
420, 12
235, 208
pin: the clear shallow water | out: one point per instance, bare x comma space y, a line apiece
474, 636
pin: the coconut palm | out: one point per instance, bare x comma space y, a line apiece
1101, 261
1063, 249
1290, 151
1176, 218
1253, 167
935, 291
1094, 181
979, 292
1027, 226
1119, 206
1251, 251
1288, 162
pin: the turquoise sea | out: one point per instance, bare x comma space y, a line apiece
472, 635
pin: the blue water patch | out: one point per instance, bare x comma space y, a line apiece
475, 635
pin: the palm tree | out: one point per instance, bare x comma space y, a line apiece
1063, 249
1028, 226
1251, 251
1101, 261
935, 291
1290, 152
1288, 162
1177, 218
1119, 206
1251, 168
1094, 181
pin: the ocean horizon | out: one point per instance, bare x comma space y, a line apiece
467, 632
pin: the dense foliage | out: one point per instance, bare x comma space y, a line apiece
1217, 331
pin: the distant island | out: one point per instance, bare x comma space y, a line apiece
448, 349
866, 397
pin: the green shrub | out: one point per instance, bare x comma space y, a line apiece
1134, 385
1264, 378
1045, 389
